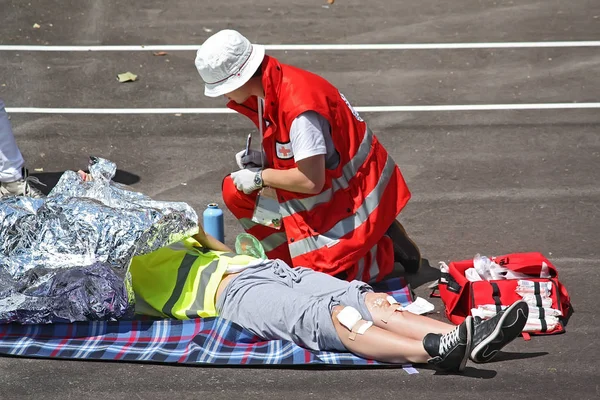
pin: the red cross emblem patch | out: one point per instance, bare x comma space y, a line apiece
284, 150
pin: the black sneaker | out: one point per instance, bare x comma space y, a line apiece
491, 335
406, 252
451, 351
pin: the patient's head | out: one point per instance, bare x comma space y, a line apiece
84, 176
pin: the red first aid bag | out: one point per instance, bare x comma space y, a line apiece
460, 295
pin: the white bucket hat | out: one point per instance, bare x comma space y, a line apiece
226, 61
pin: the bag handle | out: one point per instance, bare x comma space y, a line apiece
496, 296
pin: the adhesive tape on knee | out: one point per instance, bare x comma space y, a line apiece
394, 306
352, 320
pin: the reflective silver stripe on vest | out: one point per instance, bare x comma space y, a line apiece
270, 242
374, 270
247, 223
348, 172
308, 203
350, 223
273, 241
192, 311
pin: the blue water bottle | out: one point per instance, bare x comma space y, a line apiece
212, 219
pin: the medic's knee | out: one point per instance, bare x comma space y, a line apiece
229, 191
350, 318
382, 306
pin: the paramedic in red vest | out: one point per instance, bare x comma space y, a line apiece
339, 191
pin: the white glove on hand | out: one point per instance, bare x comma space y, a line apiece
252, 160
244, 180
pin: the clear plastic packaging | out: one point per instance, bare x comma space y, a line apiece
490, 271
525, 287
487, 269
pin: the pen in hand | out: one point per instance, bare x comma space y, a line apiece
248, 143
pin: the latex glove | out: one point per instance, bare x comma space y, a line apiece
244, 180
252, 160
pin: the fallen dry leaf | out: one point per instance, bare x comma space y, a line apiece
330, 1
36, 26
160, 53
126, 77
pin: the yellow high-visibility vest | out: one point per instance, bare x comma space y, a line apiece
180, 281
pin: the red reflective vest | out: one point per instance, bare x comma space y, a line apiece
332, 230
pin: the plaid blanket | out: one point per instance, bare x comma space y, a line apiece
199, 341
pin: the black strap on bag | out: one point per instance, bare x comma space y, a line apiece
538, 302
543, 319
451, 283
536, 292
496, 296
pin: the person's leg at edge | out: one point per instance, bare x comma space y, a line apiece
11, 160
14, 177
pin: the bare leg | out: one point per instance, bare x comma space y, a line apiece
403, 323
382, 345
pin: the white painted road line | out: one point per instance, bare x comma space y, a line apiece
522, 195
366, 109
297, 47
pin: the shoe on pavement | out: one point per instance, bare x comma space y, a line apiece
21, 187
406, 252
450, 351
489, 336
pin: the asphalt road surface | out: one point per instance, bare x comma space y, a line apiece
489, 182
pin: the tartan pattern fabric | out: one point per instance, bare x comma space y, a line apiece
200, 341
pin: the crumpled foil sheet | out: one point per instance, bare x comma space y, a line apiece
65, 258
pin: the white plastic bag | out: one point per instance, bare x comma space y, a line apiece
472, 275
488, 269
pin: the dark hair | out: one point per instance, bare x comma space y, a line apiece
258, 72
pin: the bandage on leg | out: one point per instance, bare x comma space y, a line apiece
352, 320
394, 306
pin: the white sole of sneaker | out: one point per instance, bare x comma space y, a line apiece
489, 347
463, 362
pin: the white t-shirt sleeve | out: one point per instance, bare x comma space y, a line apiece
307, 135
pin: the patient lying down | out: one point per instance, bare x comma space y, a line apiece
202, 277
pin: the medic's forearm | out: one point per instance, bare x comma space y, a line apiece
292, 180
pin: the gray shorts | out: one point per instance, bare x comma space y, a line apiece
274, 301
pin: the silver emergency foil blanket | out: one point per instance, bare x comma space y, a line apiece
65, 258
